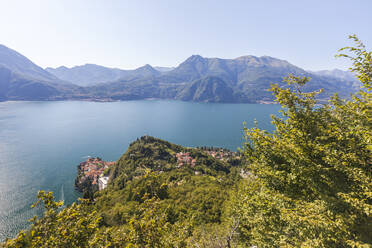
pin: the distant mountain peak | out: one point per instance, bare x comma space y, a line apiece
258, 58
263, 61
147, 67
194, 58
336, 73
246, 57
92, 65
62, 67
21, 65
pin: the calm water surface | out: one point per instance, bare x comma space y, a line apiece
41, 143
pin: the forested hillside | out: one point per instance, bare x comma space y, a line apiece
307, 184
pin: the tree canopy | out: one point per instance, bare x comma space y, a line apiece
311, 183
307, 184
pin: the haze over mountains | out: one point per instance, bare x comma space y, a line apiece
91, 74
244, 79
21, 79
346, 75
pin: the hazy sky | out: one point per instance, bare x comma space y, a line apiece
129, 34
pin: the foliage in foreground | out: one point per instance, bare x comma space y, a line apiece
308, 184
151, 201
311, 183
69, 227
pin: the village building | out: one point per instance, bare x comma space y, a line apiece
93, 171
102, 182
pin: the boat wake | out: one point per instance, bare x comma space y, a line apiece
62, 196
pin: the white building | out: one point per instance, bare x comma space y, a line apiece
102, 182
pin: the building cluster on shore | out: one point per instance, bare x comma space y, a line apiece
92, 169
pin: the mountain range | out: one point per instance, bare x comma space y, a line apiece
244, 79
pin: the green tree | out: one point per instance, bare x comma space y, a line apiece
68, 227
310, 182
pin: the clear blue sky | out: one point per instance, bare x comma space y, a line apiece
129, 34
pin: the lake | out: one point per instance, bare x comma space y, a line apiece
41, 143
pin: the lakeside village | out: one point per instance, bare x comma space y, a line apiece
184, 158
92, 173
92, 176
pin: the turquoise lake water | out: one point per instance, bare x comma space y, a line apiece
41, 143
